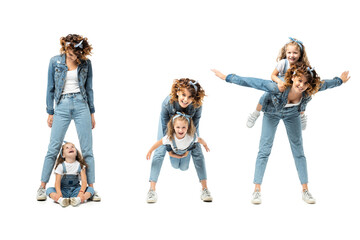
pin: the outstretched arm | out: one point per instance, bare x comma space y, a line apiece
202, 141
257, 83
155, 146
327, 84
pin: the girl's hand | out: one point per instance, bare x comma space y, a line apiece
93, 121
81, 195
345, 76
206, 147
56, 196
219, 74
202, 141
281, 86
50, 120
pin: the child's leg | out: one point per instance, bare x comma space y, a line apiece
51, 192
258, 107
184, 162
175, 162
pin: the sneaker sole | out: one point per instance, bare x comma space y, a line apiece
255, 202
207, 199
41, 198
151, 201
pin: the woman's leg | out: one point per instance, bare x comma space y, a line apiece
269, 126
82, 119
199, 163
59, 127
293, 128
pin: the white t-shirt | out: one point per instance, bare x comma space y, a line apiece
280, 66
181, 144
71, 82
71, 168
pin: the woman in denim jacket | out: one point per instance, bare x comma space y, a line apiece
301, 82
70, 87
186, 96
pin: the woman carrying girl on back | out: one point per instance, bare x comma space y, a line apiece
301, 82
291, 53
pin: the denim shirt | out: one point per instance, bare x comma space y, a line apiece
276, 100
169, 109
56, 81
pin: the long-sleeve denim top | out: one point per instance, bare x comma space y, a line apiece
169, 109
56, 81
276, 100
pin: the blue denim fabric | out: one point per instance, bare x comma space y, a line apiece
291, 119
274, 108
70, 185
276, 100
56, 81
167, 111
71, 106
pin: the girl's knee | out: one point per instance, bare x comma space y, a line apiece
90, 190
50, 190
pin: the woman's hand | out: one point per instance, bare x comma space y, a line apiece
219, 74
345, 76
50, 120
148, 155
92, 121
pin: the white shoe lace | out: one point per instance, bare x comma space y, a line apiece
308, 195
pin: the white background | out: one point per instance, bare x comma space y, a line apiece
139, 48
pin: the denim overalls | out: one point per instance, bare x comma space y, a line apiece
281, 75
274, 109
76, 106
181, 163
70, 184
167, 111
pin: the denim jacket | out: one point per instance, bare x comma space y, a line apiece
56, 81
169, 109
276, 100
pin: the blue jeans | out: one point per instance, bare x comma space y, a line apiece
71, 106
69, 192
291, 118
196, 153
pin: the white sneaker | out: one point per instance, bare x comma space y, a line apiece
75, 201
206, 195
303, 119
307, 197
256, 197
41, 194
96, 197
252, 119
64, 202
151, 196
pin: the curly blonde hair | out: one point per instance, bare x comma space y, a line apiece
171, 130
78, 44
79, 157
300, 69
303, 56
184, 83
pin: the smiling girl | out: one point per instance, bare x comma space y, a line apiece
180, 139
70, 168
301, 82
291, 53
186, 97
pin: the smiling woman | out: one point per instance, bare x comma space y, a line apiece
301, 83
185, 98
